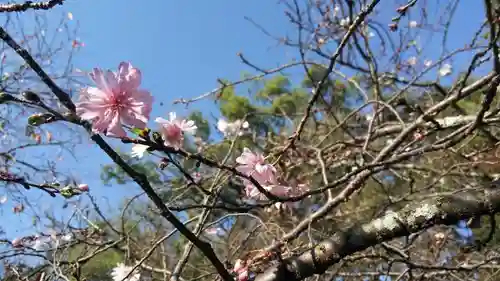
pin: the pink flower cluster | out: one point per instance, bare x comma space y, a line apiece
173, 130
253, 164
117, 100
241, 270
41, 242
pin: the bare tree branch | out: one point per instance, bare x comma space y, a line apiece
60, 94
22, 7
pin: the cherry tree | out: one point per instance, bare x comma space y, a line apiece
379, 162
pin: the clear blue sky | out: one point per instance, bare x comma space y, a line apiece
182, 47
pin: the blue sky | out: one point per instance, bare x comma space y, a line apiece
182, 47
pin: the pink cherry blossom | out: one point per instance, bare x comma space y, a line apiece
275, 189
214, 231
83, 187
238, 265
253, 164
243, 275
19, 208
299, 189
173, 130
280, 207
17, 243
197, 177
241, 270
117, 99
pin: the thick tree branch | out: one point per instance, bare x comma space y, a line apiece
362, 174
417, 216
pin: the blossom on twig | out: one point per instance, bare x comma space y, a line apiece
173, 130
117, 99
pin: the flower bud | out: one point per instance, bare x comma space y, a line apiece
145, 133
19, 208
163, 163
5, 98
157, 138
439, 238
239, 265
38, 138
418, 136
67, 192
83, 187
17, 243
40, 118
31, 97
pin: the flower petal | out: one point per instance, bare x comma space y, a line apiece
130, 118
115, 127
172, 116
162, 121
222, 125
129, 78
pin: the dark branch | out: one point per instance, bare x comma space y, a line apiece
23, 7
139, 178
63, 97
317, 88
142, 181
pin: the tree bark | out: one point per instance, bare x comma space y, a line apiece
440, 210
